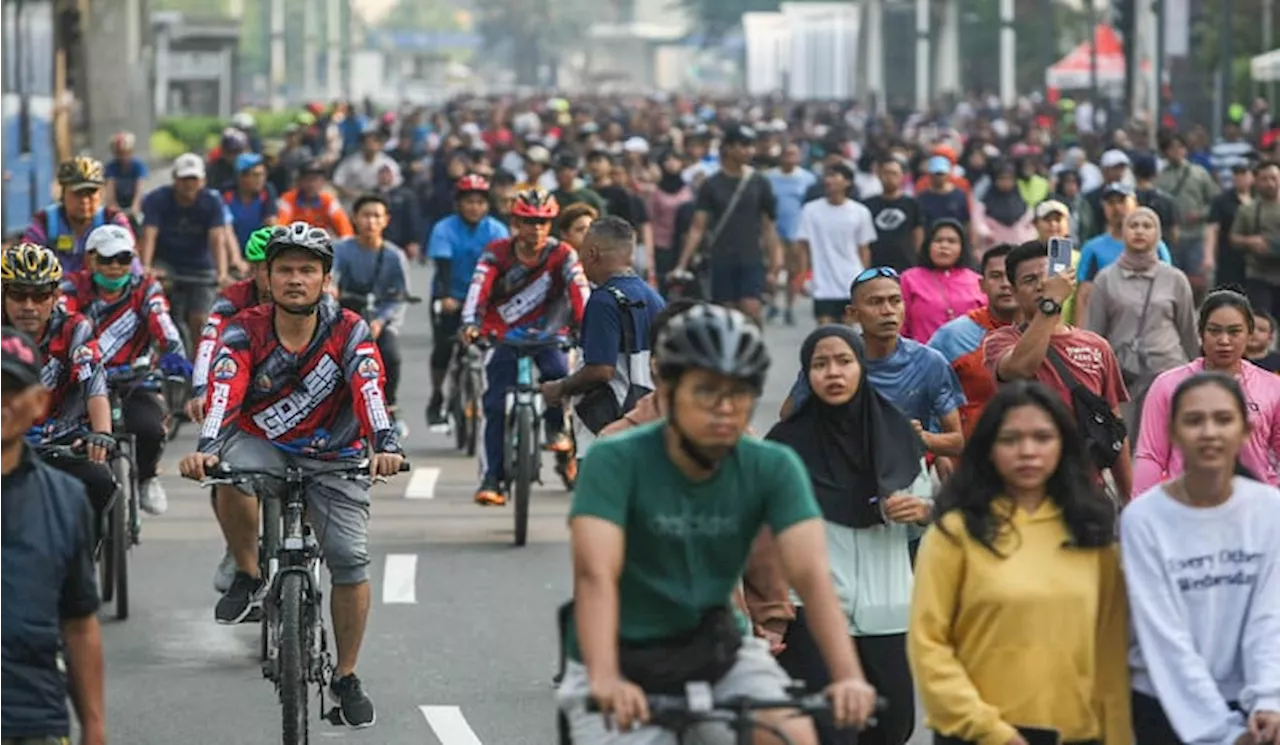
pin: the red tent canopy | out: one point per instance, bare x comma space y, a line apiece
1072, 72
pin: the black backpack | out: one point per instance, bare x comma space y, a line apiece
599, 407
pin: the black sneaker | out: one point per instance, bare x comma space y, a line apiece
239, 600
355, 709
435, 412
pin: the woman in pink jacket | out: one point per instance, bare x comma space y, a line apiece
1226, 320
944, 286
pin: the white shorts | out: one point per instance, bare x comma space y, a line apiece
756, 674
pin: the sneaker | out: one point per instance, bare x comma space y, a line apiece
490, 494
355, 709
402, 429
226, 573
239, 600
436, 416
152, 499
561, 443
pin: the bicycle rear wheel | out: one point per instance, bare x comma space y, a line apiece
295, 648
471, 406
122, 468
526, 466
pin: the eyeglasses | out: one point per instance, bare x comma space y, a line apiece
875, 272
536, 222
123, 259
23, 294
709, 397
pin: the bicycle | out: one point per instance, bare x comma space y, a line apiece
114, 534
294, 647
465, 382
523, 404
698, 706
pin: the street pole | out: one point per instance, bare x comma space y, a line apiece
875, 55
1008, 54
1268, 43
310, 48
277, 55
1157, 66
1093, 63
922, 55
333, 49
1225, 66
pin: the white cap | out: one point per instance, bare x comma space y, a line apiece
188, 165
637, 145
242, 120
109, 240
1113, 158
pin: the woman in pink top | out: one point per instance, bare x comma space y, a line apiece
663, 202
1002, 216
943, 287
1226, 320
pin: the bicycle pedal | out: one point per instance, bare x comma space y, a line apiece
334, 717
254, 616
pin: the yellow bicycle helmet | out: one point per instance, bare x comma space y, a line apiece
30, 265
81, 172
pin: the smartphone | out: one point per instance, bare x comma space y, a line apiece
1036, 735
1060, 255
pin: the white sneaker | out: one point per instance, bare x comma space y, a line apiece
402, 429
226, 573
153, 500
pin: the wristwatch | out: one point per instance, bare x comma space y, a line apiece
1049, 306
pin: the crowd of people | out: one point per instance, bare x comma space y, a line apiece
1011, 479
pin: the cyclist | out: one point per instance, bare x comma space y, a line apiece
456, 244
79, 412
131, 315
253, 202
662, 521
65, 224
530, 282
184, 237
236, 297
295, 382
124, 174
309, 202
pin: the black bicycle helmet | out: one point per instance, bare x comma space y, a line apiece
301, 236
710, 337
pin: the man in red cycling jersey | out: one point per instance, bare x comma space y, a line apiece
78, 411
534, 283
298, 382
131, 316
234, 298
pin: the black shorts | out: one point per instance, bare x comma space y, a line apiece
733, 282
444, 333
830, 309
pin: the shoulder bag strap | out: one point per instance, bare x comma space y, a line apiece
1068, 378
747, 174
628, 327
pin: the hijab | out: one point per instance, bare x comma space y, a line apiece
1141, 261
1005, 207
669, 183
857, 452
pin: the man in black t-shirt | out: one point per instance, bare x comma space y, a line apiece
1227, 261
736, 245
898, 219
1149, 195
617, 200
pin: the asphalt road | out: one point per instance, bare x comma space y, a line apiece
461, 643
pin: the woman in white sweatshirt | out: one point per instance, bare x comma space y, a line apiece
1201, 557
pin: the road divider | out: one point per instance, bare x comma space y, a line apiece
450, 726
400, 579
422, 483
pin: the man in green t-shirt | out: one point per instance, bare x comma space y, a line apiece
662, 521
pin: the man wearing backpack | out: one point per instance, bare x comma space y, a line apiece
615, 372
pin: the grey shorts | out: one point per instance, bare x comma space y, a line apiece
756, 674
337, 508
188, 295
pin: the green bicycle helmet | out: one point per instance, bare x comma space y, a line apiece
255, 249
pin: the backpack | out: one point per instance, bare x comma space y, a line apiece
599, 407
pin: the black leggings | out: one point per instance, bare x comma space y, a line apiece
389, 347
1150, 724
884, 660
144, 418
98, 483
444, 333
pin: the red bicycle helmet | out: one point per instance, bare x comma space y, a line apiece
472, 184
535, 203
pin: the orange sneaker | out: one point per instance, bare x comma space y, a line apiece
561, 444
490, 494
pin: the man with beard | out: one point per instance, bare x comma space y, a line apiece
79, 413
960, 339
51, 599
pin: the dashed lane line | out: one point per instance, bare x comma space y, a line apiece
400, 579
450, 726
422, 483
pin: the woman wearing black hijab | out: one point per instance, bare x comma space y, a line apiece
863, 456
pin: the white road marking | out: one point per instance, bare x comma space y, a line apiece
450, 726
422, 483
399, 581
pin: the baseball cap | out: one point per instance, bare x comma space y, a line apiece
1051, 207
188, 165
245, 161
1117, 188
938, 164
313, 168
110, 240
738, 134
567, 159
19, 356
636, 145
538, 154
1114, 158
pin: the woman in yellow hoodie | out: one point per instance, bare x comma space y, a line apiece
1018, 618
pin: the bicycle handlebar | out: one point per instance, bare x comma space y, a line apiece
228, 475
699, 705
531, 344
394, 297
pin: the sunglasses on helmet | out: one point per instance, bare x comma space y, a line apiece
875, 272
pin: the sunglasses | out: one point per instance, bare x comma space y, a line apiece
536, 222
875, 272
23, 294
124, 259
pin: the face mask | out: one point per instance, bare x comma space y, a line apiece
111, 285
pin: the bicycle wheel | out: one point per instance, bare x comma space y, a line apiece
267, 546
458, 416
123, 470
525, 467
471, 398
295, 650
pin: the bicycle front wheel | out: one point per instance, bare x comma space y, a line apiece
471, 410
295, 647
526, 466
124, 473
